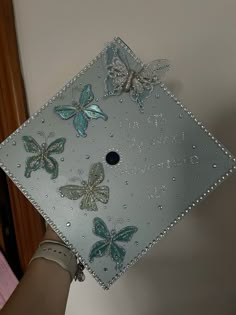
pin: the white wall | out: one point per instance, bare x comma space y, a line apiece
192, 271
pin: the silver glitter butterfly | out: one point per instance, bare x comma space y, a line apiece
89, 191
122, 78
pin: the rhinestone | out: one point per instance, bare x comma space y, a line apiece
160, 207
214, 165
14, 143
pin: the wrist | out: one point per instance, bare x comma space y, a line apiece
54, 249
51, 235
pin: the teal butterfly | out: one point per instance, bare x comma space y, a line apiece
90, 191
81, 111
109, 246
43, 158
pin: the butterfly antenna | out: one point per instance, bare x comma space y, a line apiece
81, 179
51, 135
73, 94
42, 134
117, 222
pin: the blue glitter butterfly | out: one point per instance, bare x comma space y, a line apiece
81, 111
43, 152
122, 78
109, 246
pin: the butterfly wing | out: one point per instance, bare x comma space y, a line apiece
65, 112
31, 145
96, 174
88, 202
100, 229
101, 194
99, 249
117, 72
125, 234
81, 124
93, 111
154, 70
72, 192
86, 95
33, 163
56, 146
144, 81
51, 166
117, 253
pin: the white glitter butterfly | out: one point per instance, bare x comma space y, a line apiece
122, 78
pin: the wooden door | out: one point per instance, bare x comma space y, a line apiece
28, 226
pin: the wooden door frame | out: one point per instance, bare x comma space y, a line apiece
28, 224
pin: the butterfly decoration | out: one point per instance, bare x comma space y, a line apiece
121, 78
43, 152
82, 111
108, 246
90, 191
